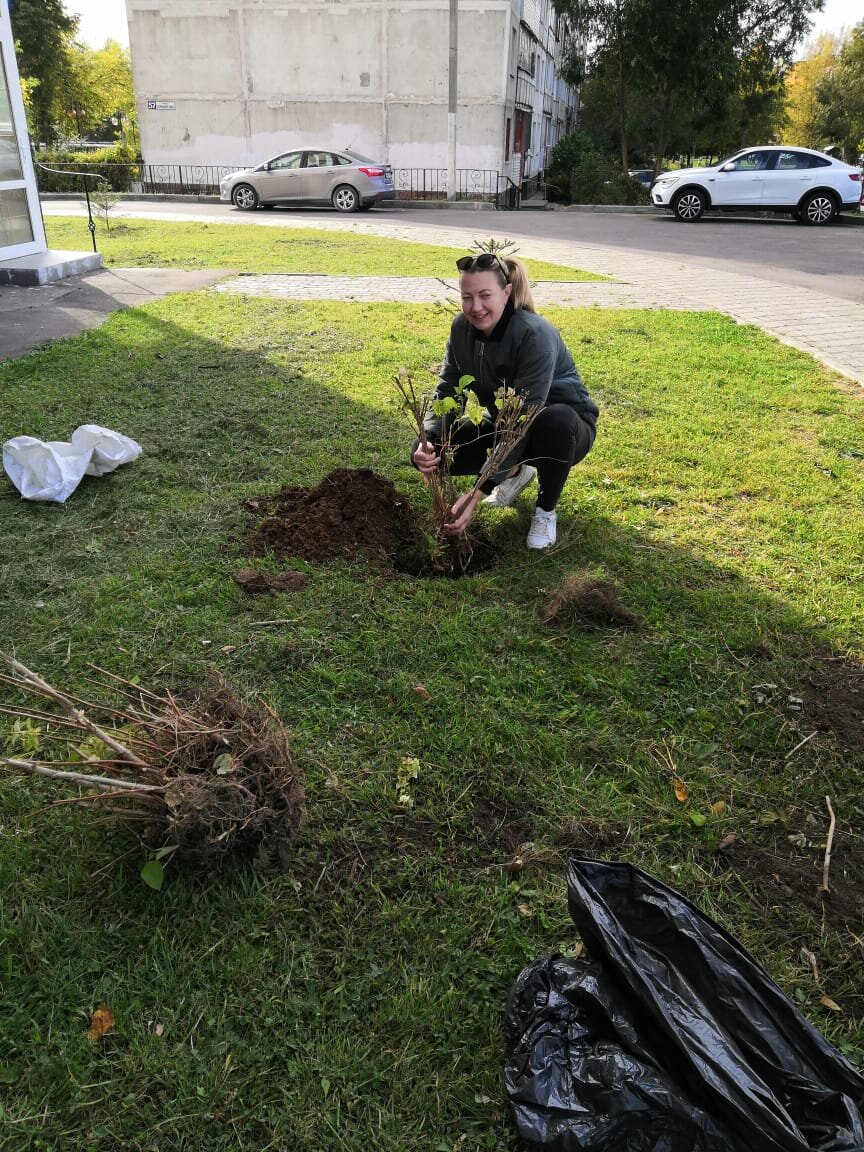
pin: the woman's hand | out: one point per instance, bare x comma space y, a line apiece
427, 460
462, 511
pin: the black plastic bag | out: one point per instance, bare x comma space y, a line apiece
671, 1039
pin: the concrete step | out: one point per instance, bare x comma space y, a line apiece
46, 267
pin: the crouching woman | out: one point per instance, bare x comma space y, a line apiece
500, 341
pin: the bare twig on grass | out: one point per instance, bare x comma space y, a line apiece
800, 744
828, 844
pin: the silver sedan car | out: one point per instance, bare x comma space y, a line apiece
349, 182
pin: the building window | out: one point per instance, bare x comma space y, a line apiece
507, 139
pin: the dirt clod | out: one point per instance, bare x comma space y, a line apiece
255, 583
585, 596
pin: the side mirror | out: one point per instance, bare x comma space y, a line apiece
730, 167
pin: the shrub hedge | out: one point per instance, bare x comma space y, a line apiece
117, 165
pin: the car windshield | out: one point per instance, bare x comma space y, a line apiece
731, 156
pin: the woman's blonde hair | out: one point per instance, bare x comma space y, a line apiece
518, 276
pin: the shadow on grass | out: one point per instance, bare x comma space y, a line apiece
361, 991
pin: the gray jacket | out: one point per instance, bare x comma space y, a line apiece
524, 352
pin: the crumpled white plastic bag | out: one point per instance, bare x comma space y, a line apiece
53, 469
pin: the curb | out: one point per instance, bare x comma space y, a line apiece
463, 205
196, 198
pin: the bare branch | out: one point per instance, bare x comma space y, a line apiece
78, 777
827, 864
37, 684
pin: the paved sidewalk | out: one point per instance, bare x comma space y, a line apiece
30, 317
829, 328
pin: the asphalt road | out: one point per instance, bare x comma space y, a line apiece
829, 260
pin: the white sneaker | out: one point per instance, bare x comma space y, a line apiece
507, 491
543, 533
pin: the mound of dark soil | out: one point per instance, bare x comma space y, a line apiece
354, 514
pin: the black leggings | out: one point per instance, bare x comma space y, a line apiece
557, 439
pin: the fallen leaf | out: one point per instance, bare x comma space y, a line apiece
829, 1003
525, 910
420, 689
224, 764
698, 819
718, 807
680, 789
727, 841
101, 1022
159, 1029
153, 875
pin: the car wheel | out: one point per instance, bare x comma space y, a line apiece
345, 199
244, 196
690, 205
817, 208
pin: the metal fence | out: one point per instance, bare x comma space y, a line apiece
184, 179
432, 184
472, 184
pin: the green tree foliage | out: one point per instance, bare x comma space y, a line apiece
688, 75
41, 29
841, 97
804, 110
97, 85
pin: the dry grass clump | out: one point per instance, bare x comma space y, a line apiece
211, 780
591, 597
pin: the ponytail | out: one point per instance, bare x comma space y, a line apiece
521, 296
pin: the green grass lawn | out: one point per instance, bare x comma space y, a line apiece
256, 249
354, 1001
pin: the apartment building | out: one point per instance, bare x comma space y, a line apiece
236, 81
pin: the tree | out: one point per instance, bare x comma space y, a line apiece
804, 109
841, 97
40, 28
707, 67
95, 88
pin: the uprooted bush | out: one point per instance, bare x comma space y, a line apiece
206, 781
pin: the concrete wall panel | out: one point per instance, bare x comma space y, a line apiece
173, 52
316, 51
418, 136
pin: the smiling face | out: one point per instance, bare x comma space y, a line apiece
483, 298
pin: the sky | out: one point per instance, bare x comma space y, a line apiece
101, 19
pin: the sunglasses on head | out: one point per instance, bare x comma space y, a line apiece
483, 263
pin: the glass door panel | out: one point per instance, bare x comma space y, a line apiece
18, 196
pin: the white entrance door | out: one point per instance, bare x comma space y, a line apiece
21, 231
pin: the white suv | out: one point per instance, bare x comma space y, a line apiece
812, 186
